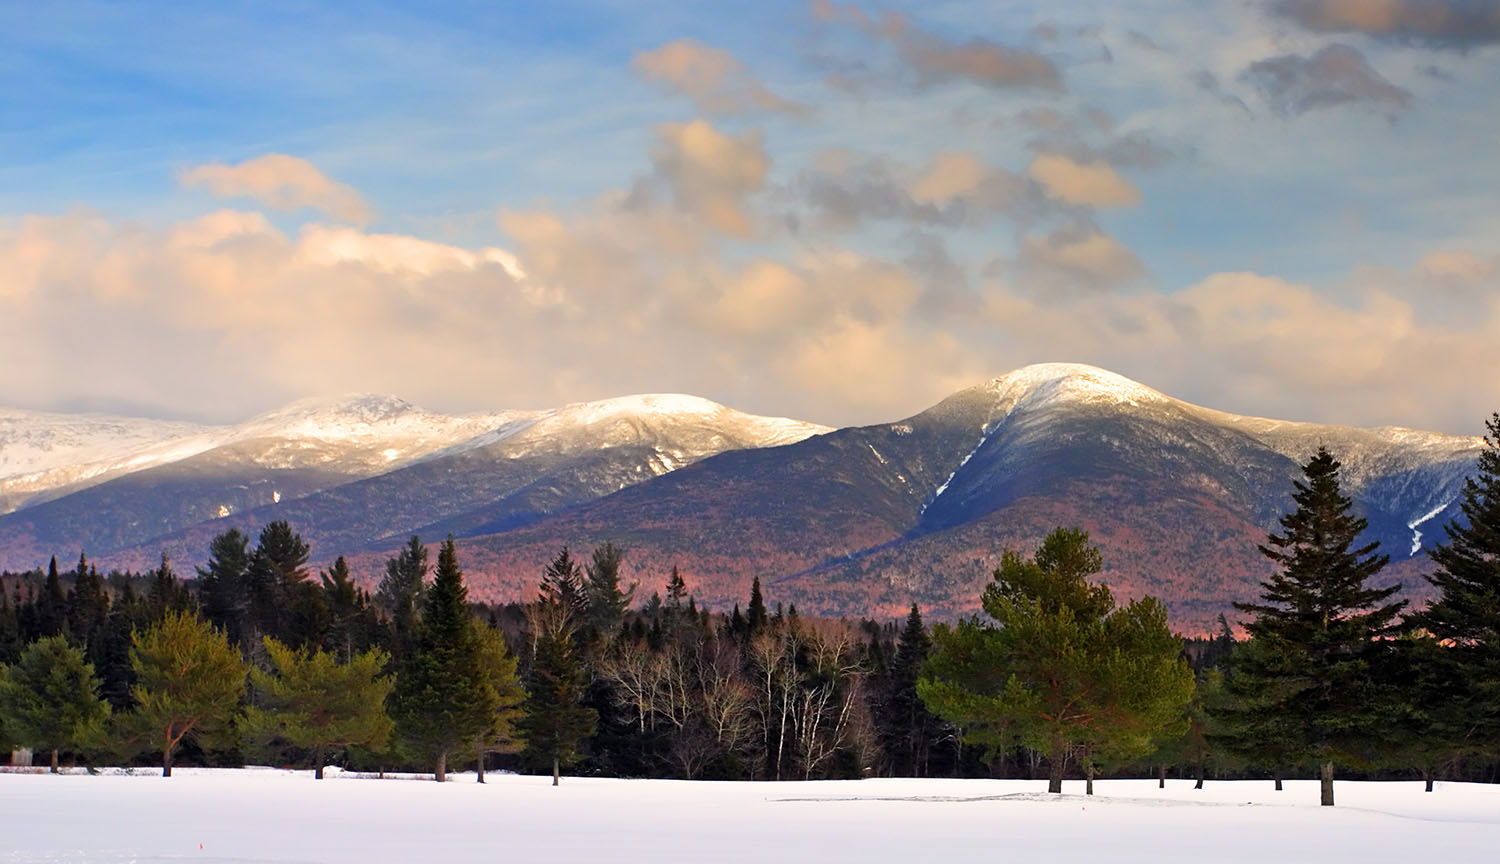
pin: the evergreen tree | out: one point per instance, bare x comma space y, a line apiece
88, 605
441, 702
286, 603
49, 700
313, 701
189, 684
348, 619
908, 731
224, 589
52, 605
562, 586
497, 671
606, 601
1466, 614
1062, 670
756, 618
1320, 633
399, 596
164, 593
556, 721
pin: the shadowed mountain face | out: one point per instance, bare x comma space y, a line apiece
858, 521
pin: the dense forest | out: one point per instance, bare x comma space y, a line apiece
255, 659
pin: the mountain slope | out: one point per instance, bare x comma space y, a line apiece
361, 471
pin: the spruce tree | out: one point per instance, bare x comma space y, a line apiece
49, 700
562, 585
441, 702
607, 602
908, 731
1466, 614
52, 605
88, 605
756, 618
224, 586
399, 596
1319, 633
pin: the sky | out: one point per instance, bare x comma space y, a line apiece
840, 212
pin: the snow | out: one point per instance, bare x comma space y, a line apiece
1049, 383
254, 815
1416, 536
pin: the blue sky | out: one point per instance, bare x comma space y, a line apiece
835, 211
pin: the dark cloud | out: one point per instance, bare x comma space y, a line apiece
1443, 24
1336, 75
847, 189
930, 59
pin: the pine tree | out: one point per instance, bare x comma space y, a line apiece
441, 702
189, 685
49, 700
313, 701
399, 596
1062, 670
1320, 633
1466, 614
346, 605
164, 593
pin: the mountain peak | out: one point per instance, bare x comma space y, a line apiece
1043, 383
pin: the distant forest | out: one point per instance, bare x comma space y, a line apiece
256, 659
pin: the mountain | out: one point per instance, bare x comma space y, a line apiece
866, 520
358, 470
858, 521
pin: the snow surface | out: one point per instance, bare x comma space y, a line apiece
254, 815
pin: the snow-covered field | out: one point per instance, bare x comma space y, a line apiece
272, 815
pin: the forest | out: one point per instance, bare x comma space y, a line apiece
254, 659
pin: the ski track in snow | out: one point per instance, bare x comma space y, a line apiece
1416, 536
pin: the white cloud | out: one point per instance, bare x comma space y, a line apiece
282, 183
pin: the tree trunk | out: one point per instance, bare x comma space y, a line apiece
1326, 787
1199, 784
1427, 776
166, 762
1055, 769
441, 775
54, 760
1088, 779
556, 774
1277, 777
1161, 776
479, 763
317, 763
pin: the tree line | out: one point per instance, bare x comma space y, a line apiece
255, 659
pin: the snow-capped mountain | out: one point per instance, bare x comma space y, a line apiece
866, 520
144, 488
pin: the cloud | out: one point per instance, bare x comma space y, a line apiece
711, 174
1208, 82
1074, 259
282, 183
1094, 183
714, 79
1336, 75
1443, 24
846, 189
933, 59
